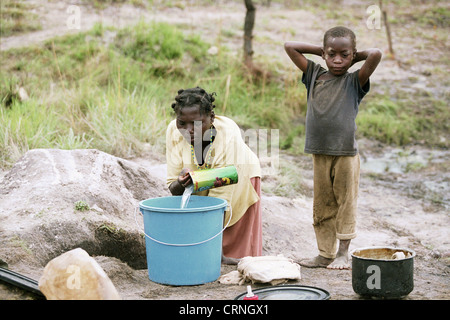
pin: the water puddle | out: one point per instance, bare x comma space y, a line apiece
403, 160
415, 172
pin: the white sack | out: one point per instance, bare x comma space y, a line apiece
265, 269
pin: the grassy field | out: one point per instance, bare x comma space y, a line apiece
111, 89
15, 17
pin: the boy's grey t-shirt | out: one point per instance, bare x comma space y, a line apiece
331, 113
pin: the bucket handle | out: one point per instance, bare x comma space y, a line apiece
182, 244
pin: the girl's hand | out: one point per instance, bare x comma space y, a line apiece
184, 179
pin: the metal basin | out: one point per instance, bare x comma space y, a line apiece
378, 273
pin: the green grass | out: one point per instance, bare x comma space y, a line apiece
81, 205
403, 121
436, 16
115, 96
15, 17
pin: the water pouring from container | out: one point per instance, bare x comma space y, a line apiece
186, 196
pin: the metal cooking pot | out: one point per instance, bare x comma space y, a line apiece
383, 272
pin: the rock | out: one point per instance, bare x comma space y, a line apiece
22, 93
57, 179
213, 50
75, 275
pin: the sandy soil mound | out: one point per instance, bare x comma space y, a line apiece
55, 200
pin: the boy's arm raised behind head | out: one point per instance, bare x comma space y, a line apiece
295, 51
372, 57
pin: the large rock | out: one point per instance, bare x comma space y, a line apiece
47, 179
74, 275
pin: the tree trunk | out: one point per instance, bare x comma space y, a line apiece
388, 29
248, 30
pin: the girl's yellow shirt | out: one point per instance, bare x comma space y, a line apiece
228, 149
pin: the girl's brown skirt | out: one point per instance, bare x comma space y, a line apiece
244, 238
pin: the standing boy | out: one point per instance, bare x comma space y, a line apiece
333, 99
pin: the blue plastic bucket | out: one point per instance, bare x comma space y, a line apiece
183, 246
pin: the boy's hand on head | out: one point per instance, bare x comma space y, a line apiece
372, 58
296, 50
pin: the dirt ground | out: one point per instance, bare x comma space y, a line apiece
390, 214
393, 211
404, 193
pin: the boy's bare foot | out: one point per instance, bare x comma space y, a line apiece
340, 263
316, 262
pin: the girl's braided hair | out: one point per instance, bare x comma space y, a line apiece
194, 97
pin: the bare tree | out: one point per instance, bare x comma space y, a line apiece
248, 33
388, 29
